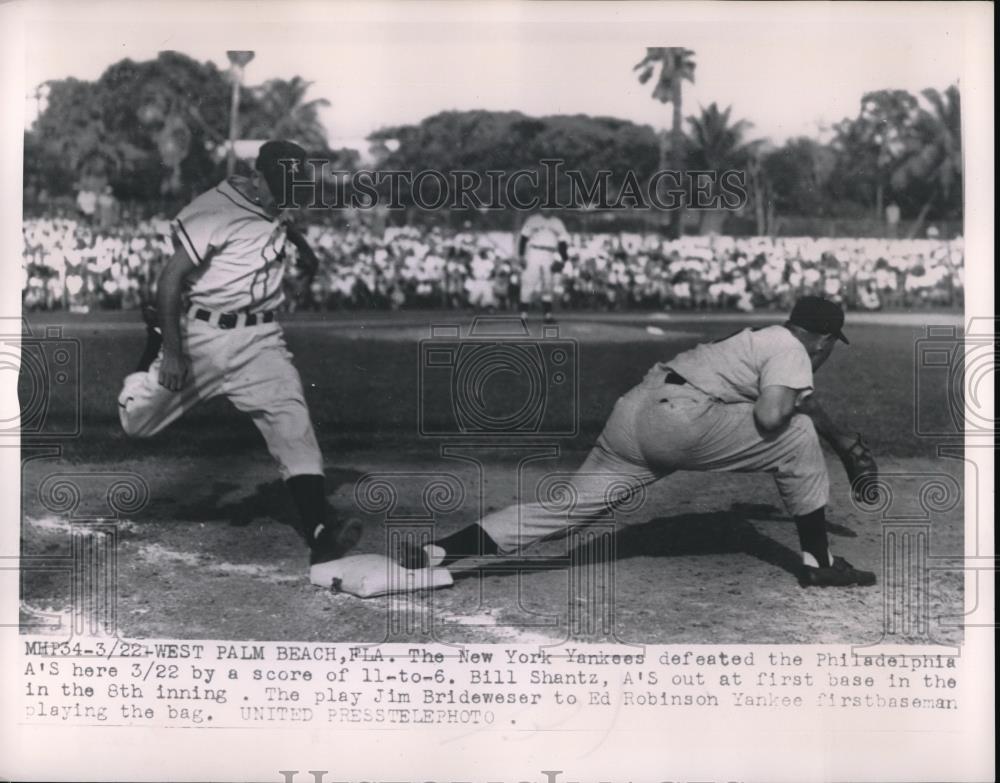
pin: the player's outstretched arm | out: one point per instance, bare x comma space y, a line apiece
854, 453
174, 367
826, 428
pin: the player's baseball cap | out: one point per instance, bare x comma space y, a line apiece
281, 163
819, 316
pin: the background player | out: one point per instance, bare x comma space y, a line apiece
744, 404
480, 286
542, 248
216, 300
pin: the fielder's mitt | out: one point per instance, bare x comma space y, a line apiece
859, 461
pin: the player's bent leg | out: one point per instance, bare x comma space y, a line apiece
720, 437
819, 567
796, 461
328, 538
267, 386
145, 407
604, 482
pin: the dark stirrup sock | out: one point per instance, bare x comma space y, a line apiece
309, 494
811, 528
470, 541
152, 349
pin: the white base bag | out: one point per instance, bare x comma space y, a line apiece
367, 576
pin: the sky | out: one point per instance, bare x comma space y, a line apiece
789, 69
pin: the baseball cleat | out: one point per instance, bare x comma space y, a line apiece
839, 574
330, 541
411, 556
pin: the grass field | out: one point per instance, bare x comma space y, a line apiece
708, 557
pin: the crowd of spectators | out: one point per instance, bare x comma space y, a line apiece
76, 264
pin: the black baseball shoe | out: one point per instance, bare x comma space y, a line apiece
839, 574
332, 540
411, 556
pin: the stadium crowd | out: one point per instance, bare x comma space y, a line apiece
76, 264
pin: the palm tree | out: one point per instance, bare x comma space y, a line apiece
882, 125
676, 64
933, 153
718, 146
281, 111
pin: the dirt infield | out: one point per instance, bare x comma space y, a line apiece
706, 558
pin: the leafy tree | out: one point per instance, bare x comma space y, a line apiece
718, 145
932, 156
676, 64
151, 128
882, 126
798, 174
484, 141
279, 109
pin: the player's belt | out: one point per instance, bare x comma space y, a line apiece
230, 320
674, 378
542, 247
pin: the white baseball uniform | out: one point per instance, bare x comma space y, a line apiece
704, 424
228, 332
543, 235
480, 285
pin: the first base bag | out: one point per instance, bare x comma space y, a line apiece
367, 576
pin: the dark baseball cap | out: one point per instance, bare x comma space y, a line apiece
819, 316
281, 163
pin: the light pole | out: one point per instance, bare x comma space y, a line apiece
238, 61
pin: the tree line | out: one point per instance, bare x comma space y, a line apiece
153, 130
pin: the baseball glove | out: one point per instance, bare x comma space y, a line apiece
858, 461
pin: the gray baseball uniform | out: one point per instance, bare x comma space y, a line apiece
694, 412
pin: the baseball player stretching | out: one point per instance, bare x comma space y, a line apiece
745, 404
542, 238
216, 300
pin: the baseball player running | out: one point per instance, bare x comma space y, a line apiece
543, 240
745, 404
216, 300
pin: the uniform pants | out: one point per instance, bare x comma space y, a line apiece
250, 366
654, 430
537, 280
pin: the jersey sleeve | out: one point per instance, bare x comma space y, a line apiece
199, 231
788, 365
